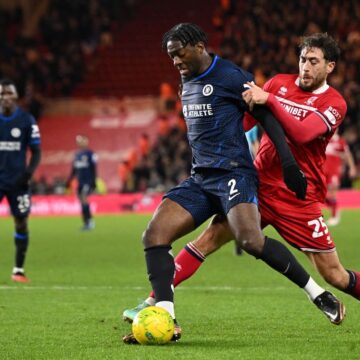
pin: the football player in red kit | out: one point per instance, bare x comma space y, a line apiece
338, 156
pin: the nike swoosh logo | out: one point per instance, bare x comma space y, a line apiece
287, 268
332, 316
184, 92
233, 196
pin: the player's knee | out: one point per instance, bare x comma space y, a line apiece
151, 237
146, 238
251, 247
250, 241
21, 224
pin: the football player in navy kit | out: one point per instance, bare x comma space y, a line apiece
223, 178
84, 169
18, 133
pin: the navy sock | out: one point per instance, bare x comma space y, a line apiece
85, 208
161, 269
21, 245
276, 255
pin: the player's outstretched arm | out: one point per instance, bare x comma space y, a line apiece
294, 178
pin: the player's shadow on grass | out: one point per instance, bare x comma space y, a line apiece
226, 344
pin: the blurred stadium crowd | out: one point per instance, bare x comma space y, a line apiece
50, 59
263, 36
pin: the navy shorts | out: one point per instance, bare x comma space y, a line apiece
214, 191
19, 201
85, 189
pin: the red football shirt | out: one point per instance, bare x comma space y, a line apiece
327, 104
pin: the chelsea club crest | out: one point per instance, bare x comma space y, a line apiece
207, 90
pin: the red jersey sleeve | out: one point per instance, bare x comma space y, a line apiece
332, 111
326, 119
300, 132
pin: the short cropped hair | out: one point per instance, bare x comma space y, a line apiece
186, 33
10, 83
7, 82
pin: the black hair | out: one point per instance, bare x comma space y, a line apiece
186, 33
7, 82
324, 42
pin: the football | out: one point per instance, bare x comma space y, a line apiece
153, 326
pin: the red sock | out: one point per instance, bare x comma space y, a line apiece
187, 262
354, 284
333, 205
334, 208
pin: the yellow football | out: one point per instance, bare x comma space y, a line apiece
153, 325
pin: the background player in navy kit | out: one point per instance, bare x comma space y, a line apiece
84, 169
223, 178
18, 133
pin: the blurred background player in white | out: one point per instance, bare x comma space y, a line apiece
338, 160
84, 170
18, 133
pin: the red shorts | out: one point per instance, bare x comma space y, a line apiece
300, 223
333, 178
332, 171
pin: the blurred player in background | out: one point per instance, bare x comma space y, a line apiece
18, 133
84, 170
223, 180
338, 160
310, 112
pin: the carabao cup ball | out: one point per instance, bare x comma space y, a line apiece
153, 325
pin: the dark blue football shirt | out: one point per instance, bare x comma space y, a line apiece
17, 133
213, 109
85, 167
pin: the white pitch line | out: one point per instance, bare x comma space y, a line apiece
139, 288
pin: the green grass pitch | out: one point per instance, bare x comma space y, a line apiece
233, 308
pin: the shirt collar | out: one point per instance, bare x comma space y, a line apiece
320, 90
